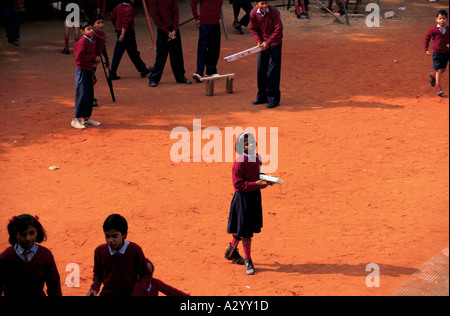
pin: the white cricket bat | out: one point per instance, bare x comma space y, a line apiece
244, 53
270, 179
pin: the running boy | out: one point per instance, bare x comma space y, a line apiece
118, 264
86, 60
122, 18
440, 35
267, 30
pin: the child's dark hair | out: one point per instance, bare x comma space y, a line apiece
19, 224
96, 18
442, 12
116, 221
85, 24
240, 141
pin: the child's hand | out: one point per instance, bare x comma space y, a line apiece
428, 52
92, 293
122, 36
264, 46
262, 184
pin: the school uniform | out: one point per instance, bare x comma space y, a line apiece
245, 217
122, 17
208, 51
119, 270
268, 28
247, 6
165, 15
25, 272
85, 59
149, 286
10, 19
440, 37
89, 7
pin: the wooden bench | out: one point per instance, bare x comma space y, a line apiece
210, 83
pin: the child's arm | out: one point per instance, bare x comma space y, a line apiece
428, 38
97, 278
194, 4
167, 289
278, 31
243, 185
53, 279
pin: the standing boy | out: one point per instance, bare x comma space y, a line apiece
10, 19
267, 30
86, 60
208, 50
165, 15
118, 264
440, 35
122, 18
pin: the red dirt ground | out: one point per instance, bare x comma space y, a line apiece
363, 150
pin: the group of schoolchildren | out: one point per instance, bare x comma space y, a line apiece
120, 267
266, 28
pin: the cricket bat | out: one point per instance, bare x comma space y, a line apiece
244, 53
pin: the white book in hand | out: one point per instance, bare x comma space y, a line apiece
270, 179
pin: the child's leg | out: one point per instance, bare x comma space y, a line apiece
232, 252
134, 54
247, 245
66, 36
117, 57
438, 81
76, 33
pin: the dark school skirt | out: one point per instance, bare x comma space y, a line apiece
246, 216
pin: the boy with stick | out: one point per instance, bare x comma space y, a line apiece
267, 30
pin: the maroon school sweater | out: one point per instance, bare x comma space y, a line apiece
165, 14
118, 274
440, 41
20, 278
141, 288
122, 17
85, 54
246, 173
209, 11
267, 29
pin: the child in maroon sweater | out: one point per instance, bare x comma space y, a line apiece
86, 60
122, 17
26, 267
440, 35
245, 216
149, 286
267, 30
118, 264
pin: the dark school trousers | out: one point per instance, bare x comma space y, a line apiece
247, 7
9, 17
129, 44
208, 51
269, 75
84, 93
164, 48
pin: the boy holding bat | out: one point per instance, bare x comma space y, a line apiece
267, 30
